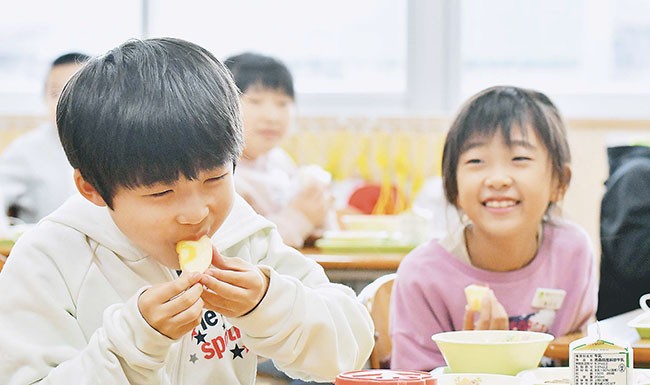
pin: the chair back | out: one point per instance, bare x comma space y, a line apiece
376, 298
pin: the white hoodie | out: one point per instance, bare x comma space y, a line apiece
69, 314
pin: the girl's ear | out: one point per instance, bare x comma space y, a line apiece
562, 185
87, 190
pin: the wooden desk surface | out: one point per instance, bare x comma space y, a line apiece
615, 328
355, 261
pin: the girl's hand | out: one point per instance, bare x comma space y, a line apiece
173, 308
491, 316
233, 287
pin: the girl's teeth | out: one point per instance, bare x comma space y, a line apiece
499, 204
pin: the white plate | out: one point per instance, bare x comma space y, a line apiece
561, 375
475, 379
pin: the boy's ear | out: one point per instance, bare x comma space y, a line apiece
562, 185
87, 190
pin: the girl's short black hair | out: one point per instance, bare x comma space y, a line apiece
500, 109
251, 69
149, 111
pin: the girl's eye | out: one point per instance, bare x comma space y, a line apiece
521, 158
473, 161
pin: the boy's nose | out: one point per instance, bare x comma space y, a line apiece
193, 214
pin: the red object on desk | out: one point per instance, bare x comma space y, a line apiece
365, 198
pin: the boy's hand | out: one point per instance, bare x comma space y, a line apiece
491, 316
234, 287
173, 308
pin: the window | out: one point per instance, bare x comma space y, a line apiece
370, 57
591, 56
346, 49
33, 33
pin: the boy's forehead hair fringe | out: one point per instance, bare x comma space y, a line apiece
504, 109
149, 111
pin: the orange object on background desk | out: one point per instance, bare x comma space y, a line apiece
612, 328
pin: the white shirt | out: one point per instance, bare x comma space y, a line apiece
35, 174
69, 310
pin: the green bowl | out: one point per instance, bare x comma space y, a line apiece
492, 351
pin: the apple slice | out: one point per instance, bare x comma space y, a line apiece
474, 295
195, 256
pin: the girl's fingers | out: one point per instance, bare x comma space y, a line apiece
499, 319
468, 321
485, 313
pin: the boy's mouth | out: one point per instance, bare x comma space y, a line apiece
195, 236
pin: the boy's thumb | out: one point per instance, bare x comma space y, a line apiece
217, 259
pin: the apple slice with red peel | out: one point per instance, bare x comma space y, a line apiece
195, 256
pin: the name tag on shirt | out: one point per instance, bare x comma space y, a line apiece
548, 298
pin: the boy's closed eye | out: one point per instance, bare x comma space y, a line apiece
160, 193
216, 178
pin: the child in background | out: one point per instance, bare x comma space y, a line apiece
36, 176
505, 166
92, 293
296, 200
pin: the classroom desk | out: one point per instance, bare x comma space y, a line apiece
355, 261
355, 269
614, 328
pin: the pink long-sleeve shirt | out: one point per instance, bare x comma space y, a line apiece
428, 296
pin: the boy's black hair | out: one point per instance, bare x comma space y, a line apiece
500, 109
149, 111
251, 69
71, 57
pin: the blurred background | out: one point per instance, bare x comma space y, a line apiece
377, 81
366, 56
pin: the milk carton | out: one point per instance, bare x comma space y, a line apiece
597, 360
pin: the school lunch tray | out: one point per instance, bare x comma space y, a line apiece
363, 242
